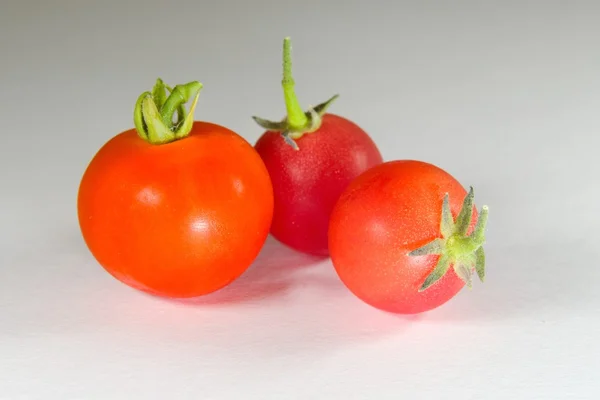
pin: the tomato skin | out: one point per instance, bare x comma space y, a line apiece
308, 182
384, 214
181, 219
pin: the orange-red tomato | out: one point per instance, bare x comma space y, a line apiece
179, 219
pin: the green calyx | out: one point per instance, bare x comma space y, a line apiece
297, 122
154, 111
456, 249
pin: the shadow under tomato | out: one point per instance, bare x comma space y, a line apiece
269, 275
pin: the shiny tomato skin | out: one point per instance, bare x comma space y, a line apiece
308, 182
384, 214
181, 219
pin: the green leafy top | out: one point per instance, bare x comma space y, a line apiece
154, 111
457, 249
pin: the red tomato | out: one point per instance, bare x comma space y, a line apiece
311, 157
403, 238
178, 219
307, 183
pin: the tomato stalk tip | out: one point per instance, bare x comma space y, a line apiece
457, 249
154, 111
295, 115
297, 121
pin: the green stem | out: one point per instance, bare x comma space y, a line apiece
295, 114
297, 122
153, 112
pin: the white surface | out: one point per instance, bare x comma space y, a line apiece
504, 95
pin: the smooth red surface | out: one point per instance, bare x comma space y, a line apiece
384, 214
181, 219
308, 182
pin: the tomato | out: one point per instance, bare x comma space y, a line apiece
311, 157
405, 237
175, 213
307, 183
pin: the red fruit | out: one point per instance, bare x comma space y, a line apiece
175, 209
311, 157
403, 237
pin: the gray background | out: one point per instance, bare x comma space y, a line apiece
504, 95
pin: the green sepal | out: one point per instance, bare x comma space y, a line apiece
463, 221
138, 117
464, 272
480, 263
159, 93
154, 111
438, 272
158, 132
447, 224
436, 246
183, 129
270, 125
455, 248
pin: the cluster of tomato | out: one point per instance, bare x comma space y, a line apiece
181, 208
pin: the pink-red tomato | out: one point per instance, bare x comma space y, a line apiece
308, 181
179, 219
391, 211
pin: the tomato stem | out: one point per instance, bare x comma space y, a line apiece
455, 248
297, 122
295, 114
154, 111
